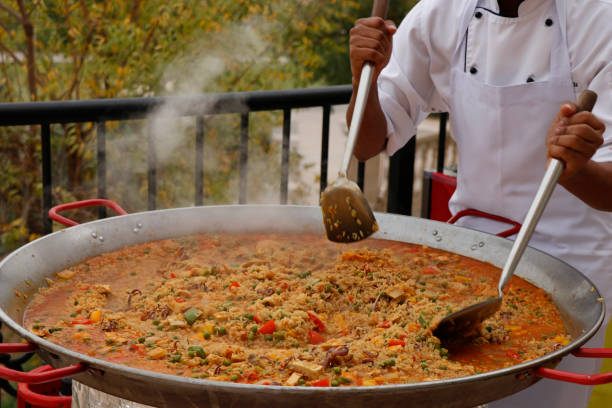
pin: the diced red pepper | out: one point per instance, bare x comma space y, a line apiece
172, 275
179, 300
513, 354
137, 347
234, 285
314, 337
85, 287
257, 319
384, 324
366, 268
396, 342
268, 328
321, 383
82, 320
317, 321
429, 271
252, 376
401, 336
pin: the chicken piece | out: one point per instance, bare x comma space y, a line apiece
307, 368
293, 379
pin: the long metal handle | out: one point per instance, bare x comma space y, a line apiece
547, 185
363, 91
379, 9
555, 167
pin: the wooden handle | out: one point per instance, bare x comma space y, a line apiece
587, 100
380, 8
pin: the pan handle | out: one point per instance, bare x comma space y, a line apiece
584, 379
53, 212
36, 377
476, 213
39, 398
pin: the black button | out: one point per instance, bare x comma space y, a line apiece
478, 14
473, 70
530, 79
548, 22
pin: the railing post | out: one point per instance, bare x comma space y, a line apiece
101, 165
199, 161
284, 187
244, 156
324, 148
151, 168
47, 198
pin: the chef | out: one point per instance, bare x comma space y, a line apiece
507, 71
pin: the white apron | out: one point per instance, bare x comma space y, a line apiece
500, 133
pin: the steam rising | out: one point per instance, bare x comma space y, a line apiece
239, 53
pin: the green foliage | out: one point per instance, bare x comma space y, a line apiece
85, 49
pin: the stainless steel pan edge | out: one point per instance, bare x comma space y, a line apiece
573, 292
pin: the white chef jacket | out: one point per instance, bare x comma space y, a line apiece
416, 82
500, 51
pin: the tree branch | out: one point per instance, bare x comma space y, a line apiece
134, 11
10, 53
10, 11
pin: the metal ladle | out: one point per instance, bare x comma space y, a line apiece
347, 216
464, 320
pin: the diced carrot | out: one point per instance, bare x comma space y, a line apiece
411, 327
268, 328
257, 319
179, 300
234, 285
172, 275
396, 342
95, 316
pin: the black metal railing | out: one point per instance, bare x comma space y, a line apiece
46, 114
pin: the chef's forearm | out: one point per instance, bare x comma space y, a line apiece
593, 185
373, 132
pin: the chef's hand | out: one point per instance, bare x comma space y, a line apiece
370, 40
573, 138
